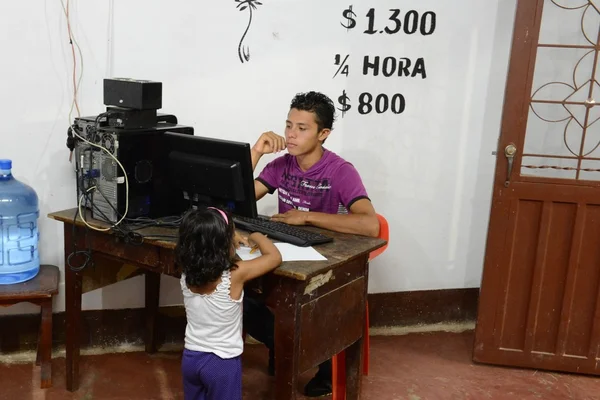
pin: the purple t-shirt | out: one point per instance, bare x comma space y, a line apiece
330, 186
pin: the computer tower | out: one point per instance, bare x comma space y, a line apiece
101, 183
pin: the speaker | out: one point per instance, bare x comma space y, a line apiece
133, 93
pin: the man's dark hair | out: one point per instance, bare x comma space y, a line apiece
203, 250
319, 104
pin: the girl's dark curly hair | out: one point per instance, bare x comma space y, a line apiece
204, 248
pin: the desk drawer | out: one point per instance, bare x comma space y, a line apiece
331, 323
151, 257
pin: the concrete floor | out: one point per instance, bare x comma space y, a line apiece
409, 367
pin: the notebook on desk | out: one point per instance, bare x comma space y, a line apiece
288, 251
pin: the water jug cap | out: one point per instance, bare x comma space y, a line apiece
5, 164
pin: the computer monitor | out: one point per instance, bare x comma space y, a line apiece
211, 172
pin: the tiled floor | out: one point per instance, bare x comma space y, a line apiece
412, 367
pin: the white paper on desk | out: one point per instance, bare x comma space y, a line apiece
289, 252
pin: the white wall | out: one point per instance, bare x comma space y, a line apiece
428, 170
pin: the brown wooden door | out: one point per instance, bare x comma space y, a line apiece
539, 303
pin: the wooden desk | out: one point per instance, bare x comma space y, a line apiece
319, 306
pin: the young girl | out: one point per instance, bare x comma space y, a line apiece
213, 288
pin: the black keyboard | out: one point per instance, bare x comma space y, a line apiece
280, 231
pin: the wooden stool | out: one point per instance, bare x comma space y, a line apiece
38, 290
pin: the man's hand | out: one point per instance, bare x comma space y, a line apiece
239, 239
269, 142
292, 217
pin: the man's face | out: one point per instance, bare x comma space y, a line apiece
302, 134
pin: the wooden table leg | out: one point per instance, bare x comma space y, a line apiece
353, 370
152, 298
45, 344
73, 310
287, 344
38, 356
354, 353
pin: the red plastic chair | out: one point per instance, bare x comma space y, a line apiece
339, 360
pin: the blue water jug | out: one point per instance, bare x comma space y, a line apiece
19, 257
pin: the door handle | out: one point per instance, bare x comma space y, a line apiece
509, 152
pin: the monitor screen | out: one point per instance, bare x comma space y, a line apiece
211, 172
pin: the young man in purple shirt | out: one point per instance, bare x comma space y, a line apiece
315, 187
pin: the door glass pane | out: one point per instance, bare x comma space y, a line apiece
563, 128
562, 21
